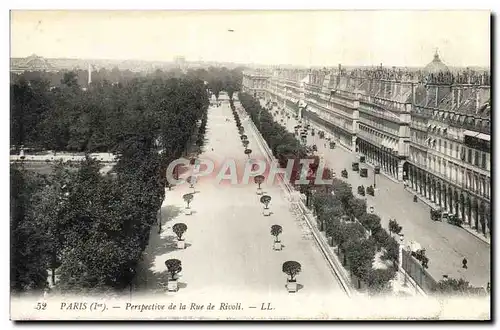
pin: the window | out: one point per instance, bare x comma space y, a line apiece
483, 163
469, 155
439, 144
445, 147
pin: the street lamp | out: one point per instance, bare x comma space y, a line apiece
400, 264
376, 171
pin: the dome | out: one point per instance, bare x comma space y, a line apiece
436, 66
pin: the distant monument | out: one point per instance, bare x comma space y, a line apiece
90, 74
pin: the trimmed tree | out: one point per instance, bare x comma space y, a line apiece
191, 180
188, 198
168, 185
259, 179
245, 143
174, 267
276, 230
248, 152
179, 229
265, 200
292, 269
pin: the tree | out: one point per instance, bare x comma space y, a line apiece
188, 198
378, 280
174, 266
370, 222
191, 180
420, 256
343, 191
265, 200
357, 207
391, 251
259, 179
292, 269
394, 227
245, 143
452, 286
244, 137
360, 254
248, 152
276, 230
347, 232
179, 229
98, 231
28, 247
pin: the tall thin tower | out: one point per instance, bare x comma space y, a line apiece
90, 75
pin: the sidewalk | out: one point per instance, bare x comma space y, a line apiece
435, 206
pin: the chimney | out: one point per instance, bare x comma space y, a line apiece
413, 91
477, 99
458, 98
452, 99
437, 94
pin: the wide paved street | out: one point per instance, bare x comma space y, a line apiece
446, 245
229, 246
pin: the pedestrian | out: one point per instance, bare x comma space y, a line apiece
464, 263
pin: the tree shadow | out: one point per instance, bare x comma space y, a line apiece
168, 213
149, 278
182, 285
299, 287
193, 212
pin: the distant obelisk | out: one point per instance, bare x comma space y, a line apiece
90, 75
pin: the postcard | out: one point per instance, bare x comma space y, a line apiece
250, 165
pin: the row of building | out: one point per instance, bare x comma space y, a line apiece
429, 128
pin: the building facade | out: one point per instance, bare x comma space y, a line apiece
255, 83
450, 151
428, 127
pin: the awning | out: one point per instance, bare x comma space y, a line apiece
477, 135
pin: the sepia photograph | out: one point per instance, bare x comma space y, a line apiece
250, 165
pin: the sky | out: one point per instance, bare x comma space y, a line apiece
393, 38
